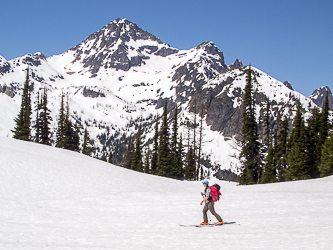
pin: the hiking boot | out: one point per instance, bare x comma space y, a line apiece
219, 223
203, 223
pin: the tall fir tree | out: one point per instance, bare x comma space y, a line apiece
326, 166
176, 168
281, 152
127, 159
154, 159
22, 130
146, 168
86, 150
312, 132
250, 152
190, 171
297, 157
37, 125
136, 163
163, 162
266, 127
103, 158
45, 120
324, 128
60, 134
269, 174
110, 158
71, 140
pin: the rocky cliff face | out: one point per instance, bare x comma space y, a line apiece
318, 96
116, 46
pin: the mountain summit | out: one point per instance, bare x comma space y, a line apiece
121, 45
318, 96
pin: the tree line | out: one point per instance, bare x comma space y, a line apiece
167, 156
67, 133
301, 152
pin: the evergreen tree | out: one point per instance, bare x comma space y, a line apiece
176, 164
104, 157
71, 140
326, 167
86, 150
163, 163
37, 125
127, 159
22, 130
190, 171
45, 120
202, 113
281, 152
297, 157
267, 133
313, 130
155, 150
110, 157
180, 157
269, 174
147, 161
250, 155
136, 163
60, 135
324, 128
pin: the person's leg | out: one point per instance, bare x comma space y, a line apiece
212, 210
204, 211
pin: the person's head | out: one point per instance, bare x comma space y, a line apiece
205, 184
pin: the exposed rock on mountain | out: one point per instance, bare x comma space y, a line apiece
318, 96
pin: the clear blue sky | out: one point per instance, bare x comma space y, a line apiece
289, 39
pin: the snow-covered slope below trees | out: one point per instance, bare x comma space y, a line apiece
57, 199
122, 73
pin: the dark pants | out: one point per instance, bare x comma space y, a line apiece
210, 206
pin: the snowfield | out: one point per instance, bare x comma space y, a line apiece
57, 199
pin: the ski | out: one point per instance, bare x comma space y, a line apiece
211, 225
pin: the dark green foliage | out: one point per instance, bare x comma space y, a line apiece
155, 150
267, 134
127, 159
22, 130
163, 162
146, 168
45, 120
326, 167
312, 130
176, 158
67, 134
250, 154
280, 149
297, 157
37, 125
110, 157
136, 163
86, 150
190, 171
323, 129
104, 157
269, 174
60, 135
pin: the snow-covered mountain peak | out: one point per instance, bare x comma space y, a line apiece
121, 45
318, 96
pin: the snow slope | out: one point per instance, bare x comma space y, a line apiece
57, 199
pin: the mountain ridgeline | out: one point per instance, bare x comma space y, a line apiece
120, 78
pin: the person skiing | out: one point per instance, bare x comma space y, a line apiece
209, 205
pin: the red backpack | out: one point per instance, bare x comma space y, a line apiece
215, 191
